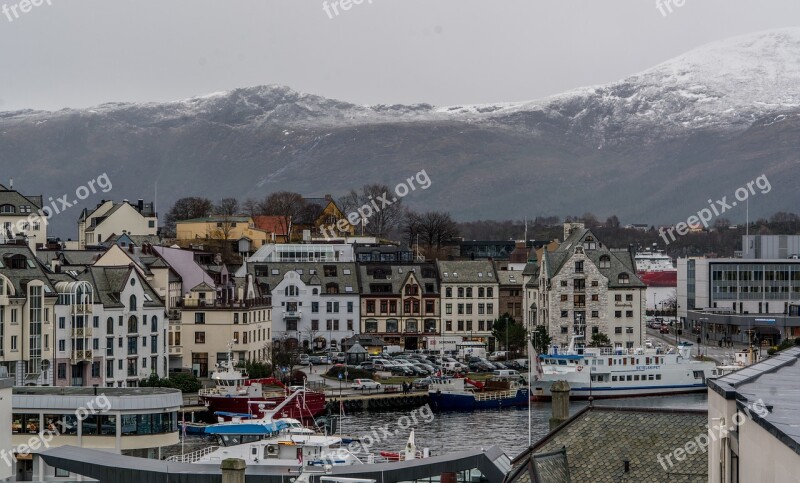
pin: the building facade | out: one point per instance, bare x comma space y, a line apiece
739, 300
470, 300
110, 218
585, 288
20, 217
400, 303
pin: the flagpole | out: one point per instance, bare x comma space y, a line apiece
530, 388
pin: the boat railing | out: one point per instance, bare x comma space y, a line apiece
194, 456
492, 395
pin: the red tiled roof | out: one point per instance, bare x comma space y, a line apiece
271, 224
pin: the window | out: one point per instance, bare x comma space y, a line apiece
461, 326
624, 279
469, 292
564, 297
448, 309
349, 307
618, 298
629, 297
133, 324
480, 326
370, 306
617, 313
448, 324
96, 322
236, 339
460, 309
489, 292
154, 324
430, 306
579, 266
448, 292
96, 369
489, 309
332, 288
605, 261
469, 309
199, 337
595, 314
315, 307
314, 324
384, 306
564, 313
110, 346
132, 301
480, 292
617, 330
200, 318
350, 324
629, 313
460, 292
62, 370
371, 326
595, 283
595, 298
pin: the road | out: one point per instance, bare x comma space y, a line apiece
718, 354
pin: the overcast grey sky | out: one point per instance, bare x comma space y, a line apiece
78, 53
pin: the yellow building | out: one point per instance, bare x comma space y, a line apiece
225, 228
323, 218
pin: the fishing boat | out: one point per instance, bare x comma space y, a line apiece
234, 392
613, 373
463, 394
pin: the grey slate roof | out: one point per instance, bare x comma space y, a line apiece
371, 274
20, 277
266, 274
110, 281
597, 440
468, 271
11, 197
509, 277
776, 381
620, 261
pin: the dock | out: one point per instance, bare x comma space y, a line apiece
377, 401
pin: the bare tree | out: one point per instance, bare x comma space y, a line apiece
187, 209
430, 230
289, 206
225, 212
380, 222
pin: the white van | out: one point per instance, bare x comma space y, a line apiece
510, 373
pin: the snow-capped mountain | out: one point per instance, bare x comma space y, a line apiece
650, 148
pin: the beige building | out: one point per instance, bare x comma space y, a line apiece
585, 288
470, 300
211, 321
20, 216
27, 301
110, 218
752, 422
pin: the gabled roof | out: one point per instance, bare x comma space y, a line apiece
313, 210
203, 287
11, 197
620, 261
598, 439
109, 282
371, 275
21, 277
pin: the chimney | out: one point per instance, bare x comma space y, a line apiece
328, 198
559, 392
11, 184
141, 205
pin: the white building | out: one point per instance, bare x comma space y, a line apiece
110, 218
585, 288
110, 329
316, 305
758, 411
20, 216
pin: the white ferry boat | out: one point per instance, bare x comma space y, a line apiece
607, 373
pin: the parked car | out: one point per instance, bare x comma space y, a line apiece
402, 371
366, 366
422, 370
498, 356
362, 384
422, 383
304, 360
339, 358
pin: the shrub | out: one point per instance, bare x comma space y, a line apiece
772, 350
183, 382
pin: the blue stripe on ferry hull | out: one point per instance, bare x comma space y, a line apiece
620, 392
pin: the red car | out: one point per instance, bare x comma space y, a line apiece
664, 329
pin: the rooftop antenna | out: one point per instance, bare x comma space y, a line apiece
526, 230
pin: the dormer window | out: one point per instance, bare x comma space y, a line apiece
624, 278
605, 261
589, 243
7, 209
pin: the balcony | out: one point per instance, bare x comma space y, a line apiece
292, 314
81, 309
175, 351
80, 356
82, 332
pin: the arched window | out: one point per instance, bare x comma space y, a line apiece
110, 326
315, 291
8, 209
133, 303
133, 324
332, 288
154, 323
480, 292
291, 291
605, 261
624, 278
